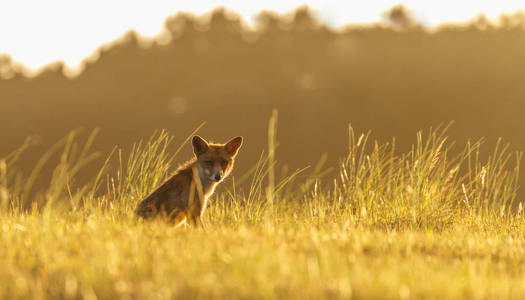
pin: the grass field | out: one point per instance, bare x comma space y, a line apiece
431, 223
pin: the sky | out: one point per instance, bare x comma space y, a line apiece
36, 32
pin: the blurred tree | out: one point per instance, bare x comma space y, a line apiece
512, 21
481, 22
401, 17
7, 70
305, 20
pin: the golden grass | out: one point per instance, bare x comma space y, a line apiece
422, 224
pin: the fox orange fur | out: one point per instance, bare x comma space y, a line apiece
184, 196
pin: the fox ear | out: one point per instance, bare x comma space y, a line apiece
199, 145
233, 145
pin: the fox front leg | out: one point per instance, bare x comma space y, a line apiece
178, 218
196, 221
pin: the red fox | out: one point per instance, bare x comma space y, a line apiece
184, 196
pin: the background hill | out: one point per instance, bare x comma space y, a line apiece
393, 79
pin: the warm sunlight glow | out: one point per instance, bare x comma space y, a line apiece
72, 30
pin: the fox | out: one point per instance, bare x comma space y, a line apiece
183, 197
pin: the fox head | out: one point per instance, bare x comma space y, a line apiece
215, 161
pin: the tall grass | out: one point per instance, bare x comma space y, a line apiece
431, 186
426, 187
370, 229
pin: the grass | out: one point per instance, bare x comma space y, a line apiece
433, 223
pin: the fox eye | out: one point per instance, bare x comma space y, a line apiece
224, 163
208, 162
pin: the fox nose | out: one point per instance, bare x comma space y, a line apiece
217, 176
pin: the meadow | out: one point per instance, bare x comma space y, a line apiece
436, 222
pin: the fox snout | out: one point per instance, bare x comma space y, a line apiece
216, 177
215, 174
